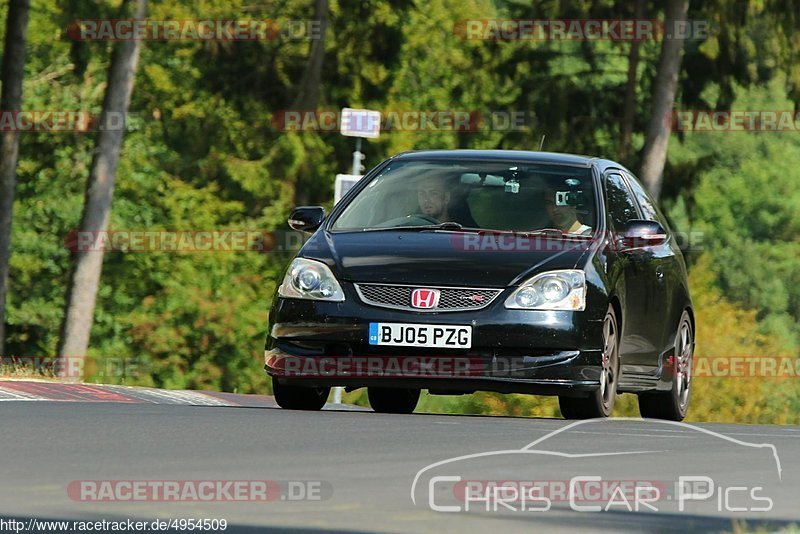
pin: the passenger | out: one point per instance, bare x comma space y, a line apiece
564, 217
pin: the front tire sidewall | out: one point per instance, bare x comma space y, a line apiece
607, 402
672, 405
600, 403
682, 404
393, 400
298, 397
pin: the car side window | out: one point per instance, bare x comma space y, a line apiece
619, 200
649, 207
649, 210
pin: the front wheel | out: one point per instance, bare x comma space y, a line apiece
299, 397
672, 405
393, 400
600, 402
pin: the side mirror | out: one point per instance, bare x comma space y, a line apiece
640, 233
306, 218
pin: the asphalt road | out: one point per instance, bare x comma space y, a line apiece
363, 465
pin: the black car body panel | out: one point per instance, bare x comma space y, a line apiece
396, 257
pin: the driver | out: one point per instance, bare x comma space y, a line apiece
433, 198
565, 218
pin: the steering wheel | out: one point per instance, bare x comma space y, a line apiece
410, 220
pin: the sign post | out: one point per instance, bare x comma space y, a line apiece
357, 157
361, 124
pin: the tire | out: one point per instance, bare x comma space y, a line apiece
392, 400
299, 397
600, 403
672, 405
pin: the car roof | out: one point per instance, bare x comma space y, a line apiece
518, 155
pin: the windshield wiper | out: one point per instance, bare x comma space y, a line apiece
547, 232
559, 234
524, 233
456, 227
448, 225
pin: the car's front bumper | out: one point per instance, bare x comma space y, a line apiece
513, 351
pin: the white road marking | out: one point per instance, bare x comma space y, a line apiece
12, 395
163, 396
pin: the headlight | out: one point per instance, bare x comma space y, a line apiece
309, 279
554, 290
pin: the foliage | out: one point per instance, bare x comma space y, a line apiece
203, 152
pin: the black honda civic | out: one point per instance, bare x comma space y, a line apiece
457, 271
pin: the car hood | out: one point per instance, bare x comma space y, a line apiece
439, 257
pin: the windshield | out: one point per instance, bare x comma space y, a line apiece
486, 195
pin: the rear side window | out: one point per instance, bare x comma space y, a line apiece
649, 207
619, 200
649, 210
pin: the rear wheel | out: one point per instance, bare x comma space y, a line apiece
299, 397
392, 400
672, 405
601, 402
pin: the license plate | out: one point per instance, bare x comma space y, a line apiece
420, 335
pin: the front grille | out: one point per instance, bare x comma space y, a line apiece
450, 298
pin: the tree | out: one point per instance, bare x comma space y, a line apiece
654, 153
309, 92
629, 106
85, 277
10, 102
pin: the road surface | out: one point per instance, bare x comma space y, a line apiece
360, 466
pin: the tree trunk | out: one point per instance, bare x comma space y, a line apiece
629, 106
10, 102
308, 94
85, 279
654, 154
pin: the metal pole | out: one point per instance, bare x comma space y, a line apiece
337, 391
357, 157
